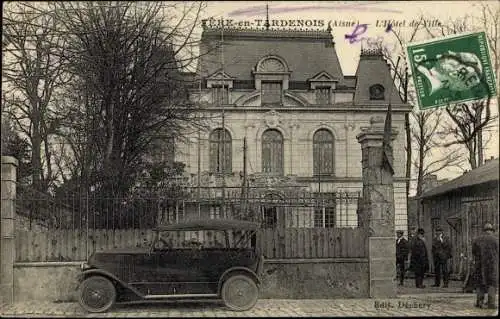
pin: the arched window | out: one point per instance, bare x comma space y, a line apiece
323, 152
272, 152
220, 151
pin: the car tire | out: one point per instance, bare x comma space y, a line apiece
240, 293
96, 294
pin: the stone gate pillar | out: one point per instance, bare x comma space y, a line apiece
377, 213
7, 244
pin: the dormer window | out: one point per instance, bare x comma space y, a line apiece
271, 79
377, 92
220, 83
323, 95
220, 94
323, 84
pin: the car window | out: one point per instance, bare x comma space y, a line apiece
193, 239
206, 239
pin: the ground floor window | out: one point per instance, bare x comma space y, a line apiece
324, 217
215, 211
324, 210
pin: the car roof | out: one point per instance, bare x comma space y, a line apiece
211, 224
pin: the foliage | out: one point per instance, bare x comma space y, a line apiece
18, 147
90, 86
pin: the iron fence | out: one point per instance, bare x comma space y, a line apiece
294, 223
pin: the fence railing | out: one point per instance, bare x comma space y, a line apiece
294, 224
84, 211
312, 243
77, 245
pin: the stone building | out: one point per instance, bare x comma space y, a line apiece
285, 93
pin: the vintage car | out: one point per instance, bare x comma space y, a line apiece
161, 272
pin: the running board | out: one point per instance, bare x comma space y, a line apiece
179, 296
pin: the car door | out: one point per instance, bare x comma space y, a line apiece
180, 271
144, 272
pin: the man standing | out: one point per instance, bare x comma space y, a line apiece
419, 261
485, 253
402, 250
441, 253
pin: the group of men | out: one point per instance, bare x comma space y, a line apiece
484, 251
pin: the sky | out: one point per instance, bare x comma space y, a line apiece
344, 16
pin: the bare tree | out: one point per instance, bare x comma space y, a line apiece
32, 74
468, 121
127, 60
401, 78
431, 156
425, 155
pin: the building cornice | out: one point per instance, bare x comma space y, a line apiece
262, 34
396, 108
334, 179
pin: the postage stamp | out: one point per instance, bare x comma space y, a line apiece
452, 69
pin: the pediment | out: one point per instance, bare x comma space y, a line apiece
323, 76
220, 75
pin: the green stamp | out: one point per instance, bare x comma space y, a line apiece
452, 70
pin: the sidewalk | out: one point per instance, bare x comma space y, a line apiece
411, 302
432, 304
409, 287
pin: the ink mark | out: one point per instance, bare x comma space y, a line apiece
358, 30
260, 10
389, 28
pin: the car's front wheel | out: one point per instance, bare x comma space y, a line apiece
97, 294
240, 293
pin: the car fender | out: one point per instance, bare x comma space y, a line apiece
241, 270
99, 272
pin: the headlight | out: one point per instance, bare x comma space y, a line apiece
84, 266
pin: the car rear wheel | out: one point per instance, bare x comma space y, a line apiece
97, 294
240, 293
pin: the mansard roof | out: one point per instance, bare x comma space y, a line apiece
373, 70
307, 53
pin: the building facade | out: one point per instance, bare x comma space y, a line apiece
284, 93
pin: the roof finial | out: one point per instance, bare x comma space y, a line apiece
267, 17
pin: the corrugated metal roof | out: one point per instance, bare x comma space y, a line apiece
483, 174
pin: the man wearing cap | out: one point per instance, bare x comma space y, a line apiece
485, 276
402, 250
441, 253
419, 262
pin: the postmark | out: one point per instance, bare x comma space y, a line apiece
452, 70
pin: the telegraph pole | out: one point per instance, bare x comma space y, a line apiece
244, 183
198, 194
